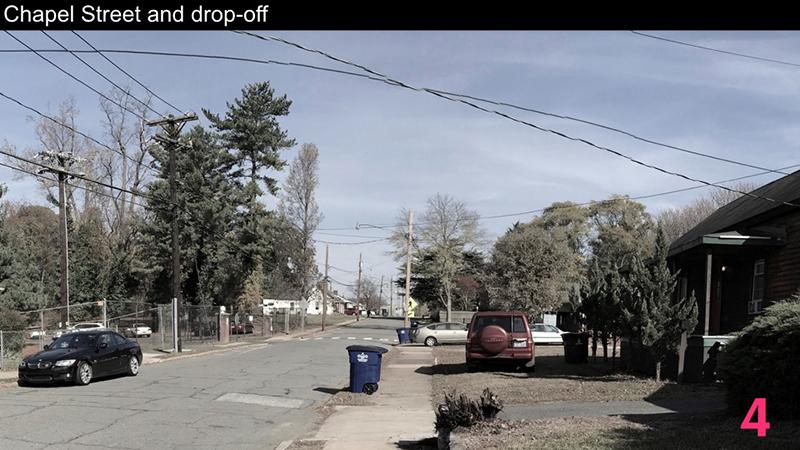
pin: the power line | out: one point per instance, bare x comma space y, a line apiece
126, 73
633, 160
711, 49
199, 222
74, 130
342, 270
353, 243
395, 83
64, 71
347, 235
93, 69
438, 92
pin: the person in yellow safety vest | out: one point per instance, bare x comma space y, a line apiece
412, 307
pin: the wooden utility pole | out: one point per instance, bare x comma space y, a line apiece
60, 164
325, 289
380, 295
391, 297
407, 300
358, 290
172, 127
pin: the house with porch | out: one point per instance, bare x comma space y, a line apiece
743, 257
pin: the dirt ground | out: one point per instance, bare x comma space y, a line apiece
554, 380
662, 431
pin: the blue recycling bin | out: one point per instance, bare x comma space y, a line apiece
365, 367
402, 335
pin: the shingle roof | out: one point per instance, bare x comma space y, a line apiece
727, 218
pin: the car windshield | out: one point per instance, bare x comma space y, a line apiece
74, 341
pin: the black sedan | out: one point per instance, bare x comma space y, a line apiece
81, 356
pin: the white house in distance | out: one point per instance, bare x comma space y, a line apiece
313, 307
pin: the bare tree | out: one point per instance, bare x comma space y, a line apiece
125, 166
445, 231
299, 207
677, 221
58, 138
370, 295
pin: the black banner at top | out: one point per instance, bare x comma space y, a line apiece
380, 15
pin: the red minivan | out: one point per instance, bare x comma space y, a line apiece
495, 336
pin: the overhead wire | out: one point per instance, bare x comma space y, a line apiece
102, 75
561, 134
66, 72
135, 80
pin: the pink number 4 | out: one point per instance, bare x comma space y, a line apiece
761, 425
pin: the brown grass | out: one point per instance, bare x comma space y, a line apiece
662, 431
554, 381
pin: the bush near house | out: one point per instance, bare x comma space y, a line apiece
764, 361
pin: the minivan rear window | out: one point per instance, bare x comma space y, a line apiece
482, 322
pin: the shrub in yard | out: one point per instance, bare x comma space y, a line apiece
12, 321
461, 411
764, 361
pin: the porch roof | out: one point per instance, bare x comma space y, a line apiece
743, 215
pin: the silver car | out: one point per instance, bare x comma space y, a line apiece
440, 333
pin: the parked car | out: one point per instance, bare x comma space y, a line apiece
138, 330
242, 328
78, 327
79, 357
546, 334
496, 337
418, 321
440, 333
36, 334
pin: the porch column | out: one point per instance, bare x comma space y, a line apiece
708, 293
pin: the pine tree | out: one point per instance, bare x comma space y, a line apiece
652, 312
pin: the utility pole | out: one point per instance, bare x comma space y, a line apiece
380, 295
358, 290
172, 127
325, 289
60, 164
391, 297
407, 300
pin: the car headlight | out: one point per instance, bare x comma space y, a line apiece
65, 363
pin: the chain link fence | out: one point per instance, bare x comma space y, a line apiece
151, 325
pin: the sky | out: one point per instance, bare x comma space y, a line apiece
383, 148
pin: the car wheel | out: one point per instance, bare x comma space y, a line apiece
22, 383
472, 367
133, 366
430, 341
83, 374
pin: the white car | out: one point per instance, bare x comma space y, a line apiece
546, 334
78, 327
138, 330
37, 334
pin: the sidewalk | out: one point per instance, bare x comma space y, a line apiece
611, 408
401, 412
8, 376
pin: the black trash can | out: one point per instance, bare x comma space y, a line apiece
365, 367
576, 347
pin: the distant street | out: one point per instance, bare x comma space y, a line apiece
252, 397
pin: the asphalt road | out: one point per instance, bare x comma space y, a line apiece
251, 397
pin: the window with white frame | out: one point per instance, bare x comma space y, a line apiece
754, 306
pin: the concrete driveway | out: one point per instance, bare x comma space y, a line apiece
250, 397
